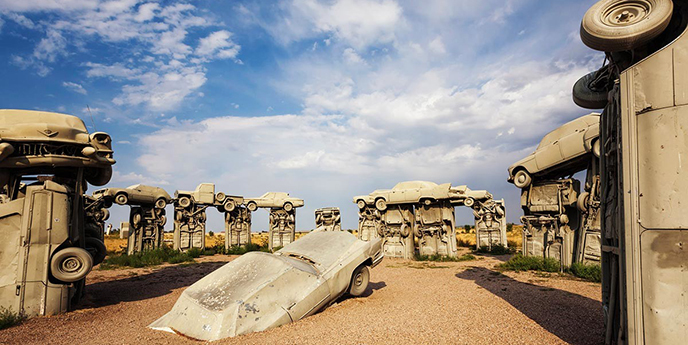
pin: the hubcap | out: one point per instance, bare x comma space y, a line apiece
71, 265
359, 280
626, 13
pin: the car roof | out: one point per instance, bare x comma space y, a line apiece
29, 124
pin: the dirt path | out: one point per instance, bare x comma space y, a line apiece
407, 302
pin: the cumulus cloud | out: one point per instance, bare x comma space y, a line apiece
74, 87
219, 45
161, 32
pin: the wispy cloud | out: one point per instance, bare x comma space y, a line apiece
75, 87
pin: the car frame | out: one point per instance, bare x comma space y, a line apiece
560, 151
258, 290
137, 194
273, 200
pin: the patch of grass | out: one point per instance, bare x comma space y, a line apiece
445, 258
194, 252
520, 263
149, 258
588, 272
496, 249
240, 250
9, 318
464, 243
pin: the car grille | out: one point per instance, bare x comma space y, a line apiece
44, 149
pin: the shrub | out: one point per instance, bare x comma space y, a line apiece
211, 234
463, 243
194, 252
9, 318
445, 258
496, 249
520, 263
588, 272
148, 258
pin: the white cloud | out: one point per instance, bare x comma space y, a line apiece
351, 57
358, 23
46, 5
75, 87
437, 46
135, 178
219, 45
21, 20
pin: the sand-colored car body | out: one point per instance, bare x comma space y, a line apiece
273, 200
560, 151
425, 192
36, 139
137, 194
204, 194
258, 290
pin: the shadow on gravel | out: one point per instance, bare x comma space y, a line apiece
140, 287
573, 318
372, 287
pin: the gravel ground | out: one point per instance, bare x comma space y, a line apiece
407, 302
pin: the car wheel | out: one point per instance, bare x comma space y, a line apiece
381, 204
582, 202
252, 206
359, 281
99, 177
469, 202
586, 95
104, 214
71, 264
163, 220
121, 199
229, 206
184, 201
96, 248
522, 179
136, 217
160, 203
405, 230
596, 149
288, 206
361, 204
427, 202
613, 26
220, 197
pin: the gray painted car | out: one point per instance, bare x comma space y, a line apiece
258, 290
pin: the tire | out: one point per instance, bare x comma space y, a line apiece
121, 199
361, 204
96, 248
522, 179
71, 264
252, 206
612, 25
160, 203
595, 148
427, 202
381, 204
582, 202
586, 95
99, 177
469, 202
404, 231
359, 281
184, 201
229, 206
381, 230
105, 214
220, 197
288, 206
135, 218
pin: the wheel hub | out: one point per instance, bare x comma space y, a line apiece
626, 13
71, 265
359, 280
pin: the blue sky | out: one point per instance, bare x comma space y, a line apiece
321, 99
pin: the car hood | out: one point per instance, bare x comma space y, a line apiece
27, 125
248, 294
